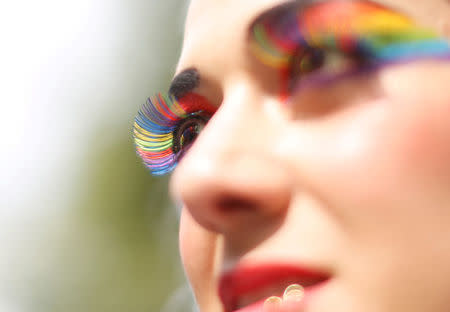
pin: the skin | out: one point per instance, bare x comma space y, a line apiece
363, 193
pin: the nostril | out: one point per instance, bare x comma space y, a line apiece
231, 204
232, 193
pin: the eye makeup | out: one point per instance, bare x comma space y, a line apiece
307, 42
184, 82
327, 40
166, 127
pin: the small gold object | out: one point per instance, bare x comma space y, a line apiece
272, 304
294, 292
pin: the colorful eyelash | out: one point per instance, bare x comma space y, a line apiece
165, 127
369, 31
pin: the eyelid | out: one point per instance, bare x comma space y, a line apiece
156, 124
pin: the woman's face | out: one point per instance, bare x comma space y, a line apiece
348, 184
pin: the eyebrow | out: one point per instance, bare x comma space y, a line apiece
184, 82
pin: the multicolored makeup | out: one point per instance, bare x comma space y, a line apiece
329, 39
165, 127
317, 41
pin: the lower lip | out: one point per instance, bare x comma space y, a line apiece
310, 293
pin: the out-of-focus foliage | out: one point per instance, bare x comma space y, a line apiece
123, 241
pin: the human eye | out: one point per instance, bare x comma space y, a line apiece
165, 128
330, 40
314, 65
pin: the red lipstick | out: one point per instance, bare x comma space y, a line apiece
245, 288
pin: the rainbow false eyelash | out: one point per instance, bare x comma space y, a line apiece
165, 127
300, 40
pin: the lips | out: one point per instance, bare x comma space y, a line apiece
249, 286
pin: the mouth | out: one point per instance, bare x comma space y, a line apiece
245, 289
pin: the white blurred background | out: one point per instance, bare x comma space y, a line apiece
83, 225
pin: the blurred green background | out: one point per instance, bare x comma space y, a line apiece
84, 226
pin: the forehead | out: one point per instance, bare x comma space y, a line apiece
220, 11
201, 9
207, 9
214, 23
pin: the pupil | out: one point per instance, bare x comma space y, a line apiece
305, 61
186, 133
189, 135
311, 60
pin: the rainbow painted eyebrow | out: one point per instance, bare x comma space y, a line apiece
368, 32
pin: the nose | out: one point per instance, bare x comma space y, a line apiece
230, 180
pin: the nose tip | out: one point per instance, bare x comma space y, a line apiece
229, 194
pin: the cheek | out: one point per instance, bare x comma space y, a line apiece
379, 158
419, 120
398, 172
423, 141
395, 151
392, 146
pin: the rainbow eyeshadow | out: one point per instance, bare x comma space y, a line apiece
298, 39
165, 128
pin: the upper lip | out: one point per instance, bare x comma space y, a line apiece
258, 281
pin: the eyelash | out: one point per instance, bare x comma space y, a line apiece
165, 128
